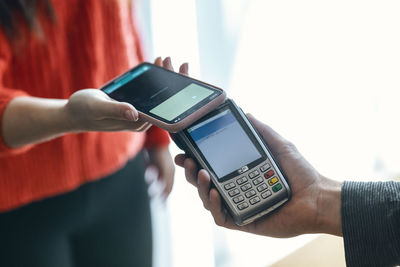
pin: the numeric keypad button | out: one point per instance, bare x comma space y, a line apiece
229, 186
234, 192
266, 194
245, 187
241, 180
257, 181
243, 205
262, 187
265, 167
254, 200
250, 193
238, 199
254, 174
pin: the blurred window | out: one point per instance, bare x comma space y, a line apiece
323, 74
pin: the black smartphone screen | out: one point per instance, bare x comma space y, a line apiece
160, 93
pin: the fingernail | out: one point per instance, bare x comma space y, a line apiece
131, 115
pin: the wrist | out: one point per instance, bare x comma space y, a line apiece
329, 219
30, 120
68, 119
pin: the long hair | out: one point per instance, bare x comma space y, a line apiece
14, 11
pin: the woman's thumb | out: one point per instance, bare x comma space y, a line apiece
119, 110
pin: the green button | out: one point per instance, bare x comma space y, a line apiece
277, 187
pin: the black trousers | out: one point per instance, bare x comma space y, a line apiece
103, 223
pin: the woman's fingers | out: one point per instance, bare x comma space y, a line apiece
167, 63
117, 110
144, 127
184, 69
121, 125
158, 61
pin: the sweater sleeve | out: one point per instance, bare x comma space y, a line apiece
156, 137
371, 223
6, 95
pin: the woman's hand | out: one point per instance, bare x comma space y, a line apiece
93, 110
161, 170
314, 206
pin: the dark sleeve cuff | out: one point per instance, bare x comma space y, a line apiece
371, 223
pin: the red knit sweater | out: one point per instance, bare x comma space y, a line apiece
91, 42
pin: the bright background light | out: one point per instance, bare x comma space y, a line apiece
324, 74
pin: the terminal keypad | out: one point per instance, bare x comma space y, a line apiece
263, 183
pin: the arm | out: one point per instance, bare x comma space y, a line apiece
366, 214
371, 223
29, 120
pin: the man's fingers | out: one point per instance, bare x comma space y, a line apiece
179, 159
273, 139
203, 186
215, 208
221, 218
190, 171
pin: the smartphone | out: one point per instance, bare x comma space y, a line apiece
167, 99
241, 166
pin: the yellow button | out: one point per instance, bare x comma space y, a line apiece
273, 181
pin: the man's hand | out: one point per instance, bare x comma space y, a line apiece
314, 206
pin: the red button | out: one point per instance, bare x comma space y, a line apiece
268, 174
